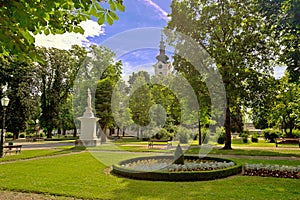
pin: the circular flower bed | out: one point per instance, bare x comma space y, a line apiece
162, 168
272, 171
168, 165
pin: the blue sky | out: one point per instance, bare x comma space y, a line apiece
138, 14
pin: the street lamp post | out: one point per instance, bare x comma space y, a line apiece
37, 127
4, 103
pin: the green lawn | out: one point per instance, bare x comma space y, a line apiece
82, 175
134, 146
28, 154
251, 152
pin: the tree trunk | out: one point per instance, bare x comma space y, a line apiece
59, 131
227, 129
118, 131
49, 133
291, 126
123, 132
16, 135
64, 132
75, 132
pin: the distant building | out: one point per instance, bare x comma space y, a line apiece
162, 67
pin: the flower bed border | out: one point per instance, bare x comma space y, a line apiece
176, 176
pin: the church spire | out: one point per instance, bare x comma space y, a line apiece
162, 51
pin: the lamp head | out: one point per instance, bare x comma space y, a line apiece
5, 101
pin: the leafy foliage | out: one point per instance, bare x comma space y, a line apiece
20, 20
271, 134
19, 75
283, 20
232, 32
57, 77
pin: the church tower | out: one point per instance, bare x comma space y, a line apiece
162, 67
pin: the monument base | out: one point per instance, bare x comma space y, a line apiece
87, 143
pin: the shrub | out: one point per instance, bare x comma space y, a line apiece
220, 132
296, 133
22, 135
42, 134
254, 137
271, 134
205, 135
221, 140
182, 135
163, 133
244, 135
9, 135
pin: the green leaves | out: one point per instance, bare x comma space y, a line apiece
110, 17
28, 38
21, 18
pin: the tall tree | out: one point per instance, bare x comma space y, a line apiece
110, 75
19, 76
233, 34
57, 76
284, 21
97, 70
285, 110
21, 19
140, 101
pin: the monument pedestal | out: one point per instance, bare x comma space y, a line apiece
88, 129
88, 132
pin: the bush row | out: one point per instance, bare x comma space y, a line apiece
23, 135
272, 134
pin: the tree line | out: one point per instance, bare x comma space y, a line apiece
247, 39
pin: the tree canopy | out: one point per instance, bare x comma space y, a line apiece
20, 20
232, 32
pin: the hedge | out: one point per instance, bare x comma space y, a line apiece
176, 176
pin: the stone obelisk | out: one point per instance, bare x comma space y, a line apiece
88, 128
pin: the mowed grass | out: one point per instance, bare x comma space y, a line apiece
28, 154
250, 152
83, 176
138, 147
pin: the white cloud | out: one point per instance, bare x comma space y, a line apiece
162, 13
66, 40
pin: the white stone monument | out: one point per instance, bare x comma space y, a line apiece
88, 128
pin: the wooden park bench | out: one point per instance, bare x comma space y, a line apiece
12, 148
151, 143
287, 141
